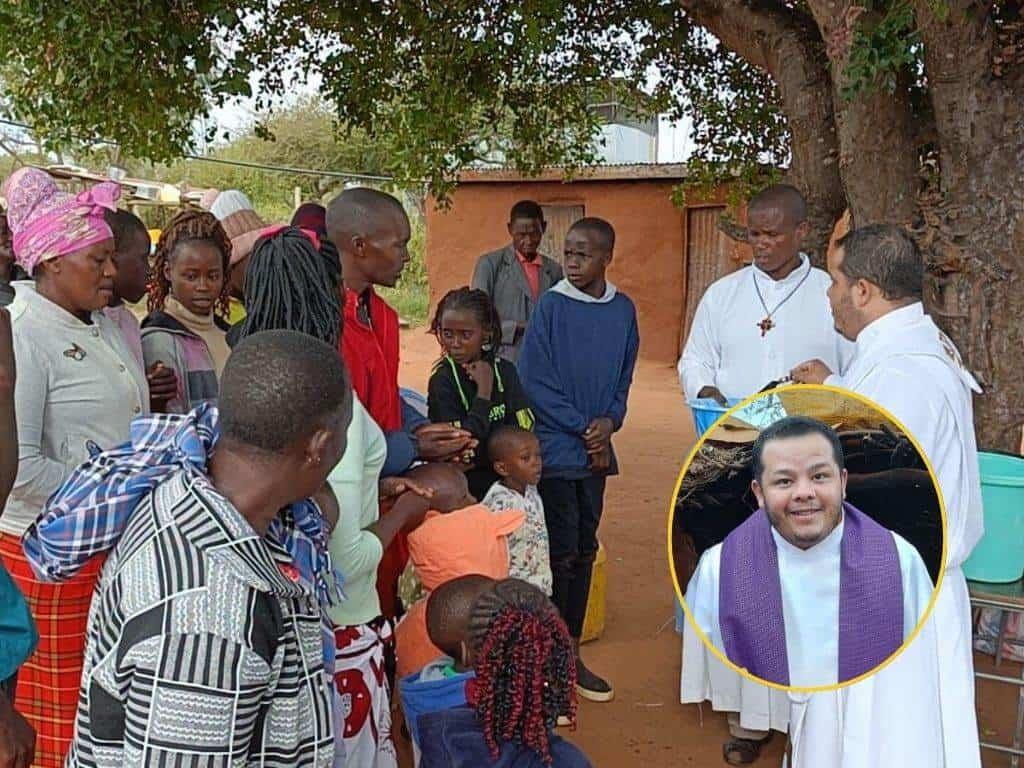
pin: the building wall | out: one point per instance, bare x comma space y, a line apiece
650, 248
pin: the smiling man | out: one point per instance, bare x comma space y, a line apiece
753, 325
808, 591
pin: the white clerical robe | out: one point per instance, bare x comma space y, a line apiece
725, 348
810, 602
920, 709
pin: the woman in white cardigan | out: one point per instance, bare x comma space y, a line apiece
78, 385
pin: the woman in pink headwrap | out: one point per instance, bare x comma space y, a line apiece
78, 385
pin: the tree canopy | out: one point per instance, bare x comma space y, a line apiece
909, 111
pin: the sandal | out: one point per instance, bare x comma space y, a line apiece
743, 751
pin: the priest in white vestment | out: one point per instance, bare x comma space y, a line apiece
808, 591
752, 326
749, 329
907, 365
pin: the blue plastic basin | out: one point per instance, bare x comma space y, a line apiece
999, 556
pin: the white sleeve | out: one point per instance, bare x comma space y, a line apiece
698, 366
917, 585
702, 594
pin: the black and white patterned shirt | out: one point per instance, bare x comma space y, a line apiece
203, 650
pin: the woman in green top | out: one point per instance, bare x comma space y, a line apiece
470, 387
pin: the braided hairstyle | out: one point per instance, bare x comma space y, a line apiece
290, 286
479, 303
189, 226
525, 667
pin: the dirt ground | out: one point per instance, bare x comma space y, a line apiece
640, 652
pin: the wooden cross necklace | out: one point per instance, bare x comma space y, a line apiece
767, 323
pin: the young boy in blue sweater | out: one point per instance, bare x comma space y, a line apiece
576, 366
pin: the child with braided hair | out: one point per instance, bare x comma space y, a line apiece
190, 287
525, 667
470, 387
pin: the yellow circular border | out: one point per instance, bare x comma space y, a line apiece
672, 565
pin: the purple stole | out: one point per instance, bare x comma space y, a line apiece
750, 598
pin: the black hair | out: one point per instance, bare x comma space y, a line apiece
124, 224
503, 437
793, 426
885, 255
470, 300
277, 386
357, 211
289, 286
526, 209
785, 198
449, 608
598, 227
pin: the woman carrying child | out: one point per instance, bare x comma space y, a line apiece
470, 387
183, 331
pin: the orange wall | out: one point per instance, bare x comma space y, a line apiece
649, 251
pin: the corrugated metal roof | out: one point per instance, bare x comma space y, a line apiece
605, 172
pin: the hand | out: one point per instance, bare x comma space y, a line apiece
714, 393
601, 460
8, 369
439, 441
393, 487
482, 372
811, 372
598, 434
163, 385
465, 459
17, 739
411, 509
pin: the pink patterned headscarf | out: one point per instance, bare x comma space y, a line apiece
47, 222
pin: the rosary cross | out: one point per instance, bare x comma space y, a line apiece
766, 325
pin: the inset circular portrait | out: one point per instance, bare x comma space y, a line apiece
806, 539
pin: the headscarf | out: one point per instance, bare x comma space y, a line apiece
47, 222
235, 212
311, 216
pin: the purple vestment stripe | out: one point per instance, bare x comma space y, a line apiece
750, 598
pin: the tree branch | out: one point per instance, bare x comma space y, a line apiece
787, 44
958, 58
878, 152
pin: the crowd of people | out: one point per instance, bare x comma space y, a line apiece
228, 536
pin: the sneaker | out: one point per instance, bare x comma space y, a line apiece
591, 686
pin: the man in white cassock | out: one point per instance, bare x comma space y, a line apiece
907, 365
808, 591
750, 328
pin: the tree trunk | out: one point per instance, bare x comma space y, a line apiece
787, 44
974, 218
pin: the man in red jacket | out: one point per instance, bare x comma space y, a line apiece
371, 232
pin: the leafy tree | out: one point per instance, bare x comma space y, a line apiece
900, 110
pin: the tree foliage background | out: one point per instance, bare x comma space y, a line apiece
900, 110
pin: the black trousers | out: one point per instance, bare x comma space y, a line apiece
572, 510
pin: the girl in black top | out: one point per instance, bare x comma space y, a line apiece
469, 387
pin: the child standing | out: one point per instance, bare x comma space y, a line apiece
469, 387
182, 331
577, 364
517, 461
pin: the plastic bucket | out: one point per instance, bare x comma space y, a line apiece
999, 556
707, 411
593, 623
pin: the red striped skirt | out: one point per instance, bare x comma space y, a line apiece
49, 681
